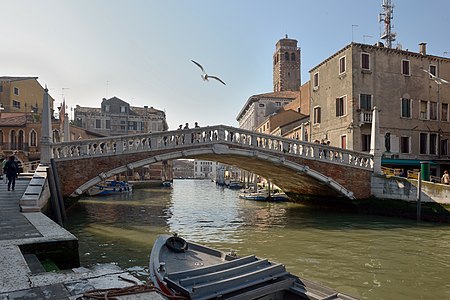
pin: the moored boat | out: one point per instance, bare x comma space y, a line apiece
182, 268
110, 187
264, 196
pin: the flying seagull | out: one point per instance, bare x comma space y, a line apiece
205, 76
435, 78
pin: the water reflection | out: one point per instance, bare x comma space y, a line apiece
366, 256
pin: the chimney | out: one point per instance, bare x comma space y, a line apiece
423, 48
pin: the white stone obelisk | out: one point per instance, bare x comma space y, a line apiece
66, 128
375, 142
46, 130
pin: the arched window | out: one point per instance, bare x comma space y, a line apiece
12, 140
1, 137
56, 137
33, 138
20, 140
293, 56
286, 56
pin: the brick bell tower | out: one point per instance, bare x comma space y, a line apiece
286, 66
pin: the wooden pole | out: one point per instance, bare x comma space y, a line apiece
54, 197
419, 192
58, 191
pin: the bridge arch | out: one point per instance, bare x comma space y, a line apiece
296, 166
224, 154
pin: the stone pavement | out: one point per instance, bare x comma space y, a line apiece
22, 275
13, 224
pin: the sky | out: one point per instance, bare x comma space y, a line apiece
141, 50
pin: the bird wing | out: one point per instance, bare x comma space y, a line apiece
428, 72
199, 65
216, 78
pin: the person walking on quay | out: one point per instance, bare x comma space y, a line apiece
3, 162
11, 169
445, 178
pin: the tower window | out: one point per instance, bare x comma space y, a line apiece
293, 56
286, 56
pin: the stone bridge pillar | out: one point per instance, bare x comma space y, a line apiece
46, 131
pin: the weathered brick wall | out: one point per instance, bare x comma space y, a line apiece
73, 173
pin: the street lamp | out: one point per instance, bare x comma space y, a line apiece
438, 81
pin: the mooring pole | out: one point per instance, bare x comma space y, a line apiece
419, 192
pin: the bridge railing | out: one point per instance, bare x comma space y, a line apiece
209, 135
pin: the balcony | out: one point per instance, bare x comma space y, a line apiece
365, 117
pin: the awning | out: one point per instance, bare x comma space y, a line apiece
405, 162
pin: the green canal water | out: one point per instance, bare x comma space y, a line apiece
368, 257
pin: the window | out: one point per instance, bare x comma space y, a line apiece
404, 144
340, 106
365, 142
342, 65
344, 142
365, 102
33, 138
433, 111
261, 104
293, 56
433, 70
365, 61
444, 147
20, 140
1, 88
433, 143
107, 108
1, 137
423, 142
423, 110
98, 123
108, 124
278, 103
286, 56
16, 91
444, 112
317, 115
406, 108
316, 80
123, 109
16, 104
405, 67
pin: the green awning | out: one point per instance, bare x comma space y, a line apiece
405, 162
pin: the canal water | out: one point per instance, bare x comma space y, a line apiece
368, 257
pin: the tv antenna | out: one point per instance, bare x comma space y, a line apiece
386, 17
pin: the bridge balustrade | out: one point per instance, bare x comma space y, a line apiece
207, 136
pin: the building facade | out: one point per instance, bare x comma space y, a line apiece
205, 169
413, 106
259, 107
117, 117
22, 94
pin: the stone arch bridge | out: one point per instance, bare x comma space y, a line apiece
295, 166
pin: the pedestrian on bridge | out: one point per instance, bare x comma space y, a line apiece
11, 170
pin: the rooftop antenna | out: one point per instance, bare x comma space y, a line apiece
353, 26
62, 91
366, 36
107, 84
386, 16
